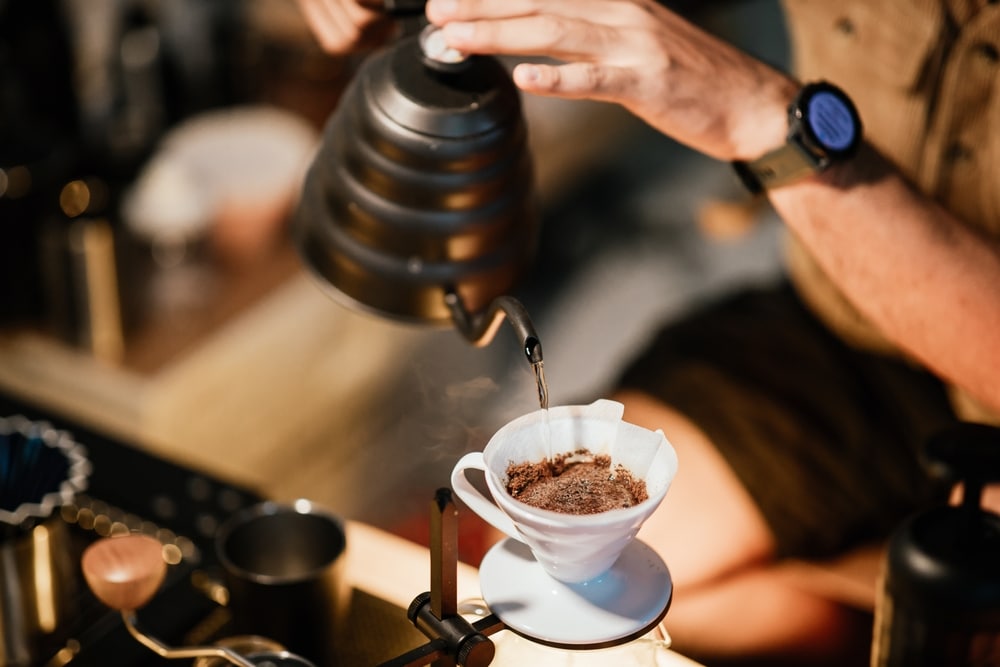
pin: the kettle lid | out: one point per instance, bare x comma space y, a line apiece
474, 99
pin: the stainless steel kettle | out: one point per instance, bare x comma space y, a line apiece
419, 205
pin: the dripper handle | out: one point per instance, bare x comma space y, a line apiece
475, 500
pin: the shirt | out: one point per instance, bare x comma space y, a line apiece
925, 76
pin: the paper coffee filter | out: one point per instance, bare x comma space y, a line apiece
597, 427
636, 448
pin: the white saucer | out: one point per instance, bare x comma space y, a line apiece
624, 603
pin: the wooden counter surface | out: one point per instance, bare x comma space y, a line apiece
245, 403
397, 570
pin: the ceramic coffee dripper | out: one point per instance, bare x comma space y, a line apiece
571, 548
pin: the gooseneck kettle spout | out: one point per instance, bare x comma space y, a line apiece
480, 328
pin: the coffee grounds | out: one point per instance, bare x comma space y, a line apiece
577, 483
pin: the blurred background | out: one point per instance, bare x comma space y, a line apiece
150, 155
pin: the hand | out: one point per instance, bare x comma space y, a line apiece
681, 80
342, 26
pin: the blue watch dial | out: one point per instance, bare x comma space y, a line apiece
831, 121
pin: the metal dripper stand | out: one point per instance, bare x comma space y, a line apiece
453, 640
125, 572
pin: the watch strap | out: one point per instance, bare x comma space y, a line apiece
783, 165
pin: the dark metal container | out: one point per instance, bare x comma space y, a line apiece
939, 604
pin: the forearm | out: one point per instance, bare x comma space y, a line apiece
929, 282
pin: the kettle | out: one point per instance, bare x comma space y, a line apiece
419, 205
939, 600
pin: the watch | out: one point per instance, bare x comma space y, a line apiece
823, 128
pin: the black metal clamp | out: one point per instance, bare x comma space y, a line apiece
453, 639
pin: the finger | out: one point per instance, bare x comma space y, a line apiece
612, 12
576, 81
317, 16
441, 11
328, 24
339, 25
553, 36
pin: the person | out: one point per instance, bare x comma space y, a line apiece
797, 411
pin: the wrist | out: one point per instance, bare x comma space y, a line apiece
763, 125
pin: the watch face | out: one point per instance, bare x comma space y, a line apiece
831, 120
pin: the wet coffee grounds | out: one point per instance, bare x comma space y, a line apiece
577, 483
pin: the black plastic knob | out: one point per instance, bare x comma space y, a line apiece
476, 651
968, 452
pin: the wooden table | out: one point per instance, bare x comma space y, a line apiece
396, 570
